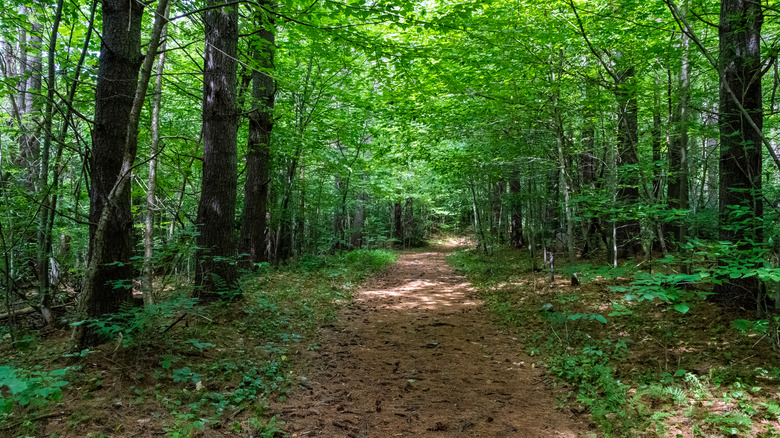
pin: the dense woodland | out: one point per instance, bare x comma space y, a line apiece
157, 154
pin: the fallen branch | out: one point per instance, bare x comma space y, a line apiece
37, 418
24, 311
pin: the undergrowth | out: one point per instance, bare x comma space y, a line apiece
643, 355
179, 368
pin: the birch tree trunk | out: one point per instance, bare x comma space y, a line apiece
151, 191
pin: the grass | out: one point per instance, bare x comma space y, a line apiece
639, 367
182, 369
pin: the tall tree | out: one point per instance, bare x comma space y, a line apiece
217, 206
253, 240
44, 230
741, 201
677, 189
105, 286
120, 60
356, 237
516, 215
627, 231
151, 190
588, 174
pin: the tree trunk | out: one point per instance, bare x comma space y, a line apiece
58, 170
677, 189
497, 224
339, 215
516, 225
299, 228
410, 239
44, 230
657, 137
398, 224
113, 224
588, 168
120, 60
215, 270
32, 104
356, 237
151, 192
741, 203
531, 230
627, 228
563, 184
482, 239
254, 223
27, 69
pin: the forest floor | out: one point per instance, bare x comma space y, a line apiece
354, 345
416, 355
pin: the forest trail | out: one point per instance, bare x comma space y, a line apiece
416, 356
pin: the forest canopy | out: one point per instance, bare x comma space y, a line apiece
223, 135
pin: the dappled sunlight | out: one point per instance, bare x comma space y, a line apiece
421, 290
417, 350
425, 294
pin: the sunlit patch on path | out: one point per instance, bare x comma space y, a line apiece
416, 356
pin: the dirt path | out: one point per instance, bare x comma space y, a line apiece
416, 356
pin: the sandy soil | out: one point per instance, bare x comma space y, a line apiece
416, 356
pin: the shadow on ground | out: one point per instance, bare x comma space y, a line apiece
415, 356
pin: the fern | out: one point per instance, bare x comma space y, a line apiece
678, 394
772, 409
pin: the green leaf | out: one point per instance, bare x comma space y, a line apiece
6, 405
59, 372
682, 307
199, 345
9, 378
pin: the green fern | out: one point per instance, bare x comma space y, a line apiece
678, 394
772, 409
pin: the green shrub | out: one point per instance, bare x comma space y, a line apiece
29, 388
134, 325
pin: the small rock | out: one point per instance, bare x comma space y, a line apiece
304, 382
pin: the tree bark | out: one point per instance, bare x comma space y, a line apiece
31, 104
657, 139
356, 236
497, 211
151, 190
516, 221
215, 264
299, 225
44, 230
120, 60
112, 225
678, 186
588, 167
398, 224
253, 242
339, 214
284, 234
741, 202
627, 228
410, 239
